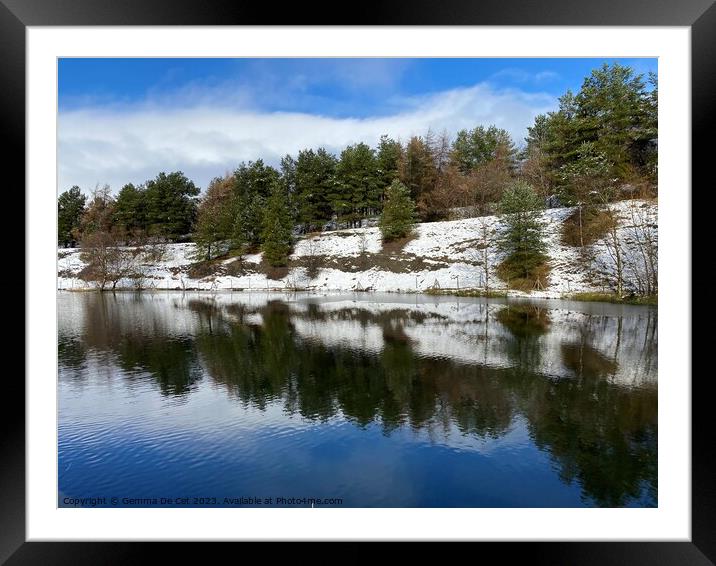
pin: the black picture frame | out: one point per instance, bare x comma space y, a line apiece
699, 15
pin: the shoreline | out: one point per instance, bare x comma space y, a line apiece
465, 293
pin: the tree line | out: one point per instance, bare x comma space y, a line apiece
598, 146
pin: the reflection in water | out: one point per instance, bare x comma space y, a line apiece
463, 397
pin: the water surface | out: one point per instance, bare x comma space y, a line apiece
366, 400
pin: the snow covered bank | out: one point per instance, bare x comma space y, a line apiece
442, 254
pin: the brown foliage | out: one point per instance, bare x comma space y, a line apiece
595, 225
515, 277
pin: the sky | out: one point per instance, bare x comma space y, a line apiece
125, 120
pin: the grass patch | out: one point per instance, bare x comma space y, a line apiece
524, 278
595, 225
202, 269
397, 263
236, 268
273, 272
613, 298
394, 247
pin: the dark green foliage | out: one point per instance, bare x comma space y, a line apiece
472, 148
130, 209
170, 205
277, 228
523, 238
288, 181
357, 191
315, 182
253, 183
615, 113
388, 159
613, 108
70, 206
398, 217
537, 133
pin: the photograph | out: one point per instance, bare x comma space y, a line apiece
357, 282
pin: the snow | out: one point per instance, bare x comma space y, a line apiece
448, 252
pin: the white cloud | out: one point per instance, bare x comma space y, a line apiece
522, 76
132, 144
546, 76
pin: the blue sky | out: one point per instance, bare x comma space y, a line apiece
124, 120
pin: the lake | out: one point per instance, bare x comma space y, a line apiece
360, 400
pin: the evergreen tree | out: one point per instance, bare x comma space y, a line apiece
277, 228
315, 180
558, 134
523, 237
418, 168
288, 181
170, 205
613, 111
356, 191
389, 158
129, 210
534, 166
398, 217
214, 219
587, 184
253, 183
70, 207
538, 132
472, 148
649, 153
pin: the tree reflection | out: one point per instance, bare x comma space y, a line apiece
601, 434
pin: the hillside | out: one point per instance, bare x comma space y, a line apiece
444, 255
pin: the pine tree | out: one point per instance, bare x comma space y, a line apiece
277, 228
253, 182
129, 209
170, 201
70, 206
613, 108
472, 148
398, 217
356, 192
315, 180
615, 111
522, 240
388, 157
214, 219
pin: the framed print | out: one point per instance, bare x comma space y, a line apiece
389, 279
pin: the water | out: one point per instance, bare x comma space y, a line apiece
359, 401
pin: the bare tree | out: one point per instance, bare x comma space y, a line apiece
644, 236
96, 250
363, 246
485, 236
314, 257
535, 170
613, 245
123, 264
106, 262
